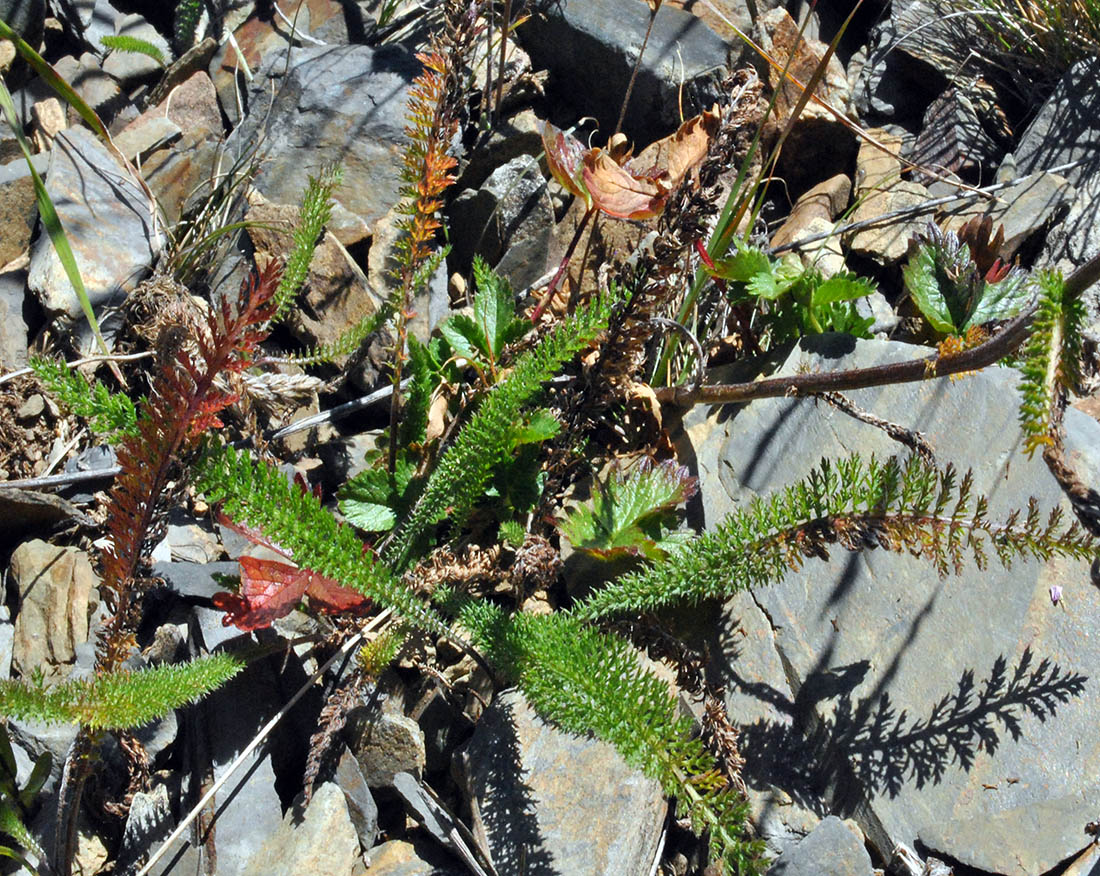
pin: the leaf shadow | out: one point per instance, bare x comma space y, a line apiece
814, 756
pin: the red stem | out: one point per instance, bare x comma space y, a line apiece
556, 281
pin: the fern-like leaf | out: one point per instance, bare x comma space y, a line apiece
132, 44
255, 493
464, 469
112, 415
313, 214
1050, 360
118, 700
909, 507
586, 682
184, 403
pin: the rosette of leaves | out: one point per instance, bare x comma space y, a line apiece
632, 514
793, 300
956, 286
480, 337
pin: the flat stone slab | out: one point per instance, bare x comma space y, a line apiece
342, 103
570, 804
107, 219
587, 41
956, 715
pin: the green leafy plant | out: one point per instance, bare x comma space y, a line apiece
1050, 360
632, 514
46, 210
480, 338
591, 682
900, 506
132, 44
184, 24
792, 300
120, 700
1035, 40
16, 803
953, 292
112, 415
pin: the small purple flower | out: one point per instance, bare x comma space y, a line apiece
1055, 593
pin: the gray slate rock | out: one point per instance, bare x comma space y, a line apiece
418, 858
128, 67
572, 803
25, 17
384, 744
345, 104
13, 327
18, 210
362, 809
582, 42
249, 811
99, 89
106, 217
148, 824
57, 593
831, 850
508, 221
317, 838
1067, 127
934, 712
1025, 209
7, 637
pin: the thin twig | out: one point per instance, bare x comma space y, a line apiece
339, 411
294, 31
1000, 345
637, 66
130, 357
911, 438
64, 479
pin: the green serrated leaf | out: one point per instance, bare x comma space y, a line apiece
368, 516
746, 263
841, 287
1002, 300
37, 779
495, 312
424, 378
921, 280
542, 426
629, 513
464, 336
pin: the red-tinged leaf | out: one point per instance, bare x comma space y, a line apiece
333, 598
565, 158
618, 192
269, 590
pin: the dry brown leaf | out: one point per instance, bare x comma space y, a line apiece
437, 418
682, 152
618, 192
